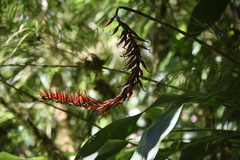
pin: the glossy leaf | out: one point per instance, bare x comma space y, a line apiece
153, 113
151, 138
110, 148
118, 130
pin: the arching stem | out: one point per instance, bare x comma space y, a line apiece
237, 64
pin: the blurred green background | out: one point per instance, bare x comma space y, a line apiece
63, 45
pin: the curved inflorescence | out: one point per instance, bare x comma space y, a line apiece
133, 57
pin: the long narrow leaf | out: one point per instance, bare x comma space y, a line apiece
16, 33
20, 42
118, 130
110, 148
151, 138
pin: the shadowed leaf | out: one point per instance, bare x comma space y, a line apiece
118, 130
205, 14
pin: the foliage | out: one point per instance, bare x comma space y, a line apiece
185, 107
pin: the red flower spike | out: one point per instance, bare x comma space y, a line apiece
143, 47
94, 101
79, 92
144, 65
59, 98
140, 83
49, 94
134, 59
122, 40
41, 94
86, 99
81, 97
115, 30
81, 100
131, 65
141, 73
123, 33
56, 95
136, 36
64, 98
109, 22
129, 49
126, 43
73, 98
67, 98
62, 95
53, 95
77, 102
46, 93
86, 95
70, 97
131, 60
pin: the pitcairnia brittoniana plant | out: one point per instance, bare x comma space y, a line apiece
132, 55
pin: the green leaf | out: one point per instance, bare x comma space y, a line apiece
118, 130
153, 113
163, 154
5, 156
196, 97
205, 14
205, 144
151, 138
4, 124
163, 99
110, 148
8, 156
16, 33
164, 123
20, 42
191, 150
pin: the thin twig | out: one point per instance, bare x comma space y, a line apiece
35, 99
77, 66
38, 65
182, 32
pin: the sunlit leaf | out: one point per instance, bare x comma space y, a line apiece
16, 33
8, 156
20, 42
152, 137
